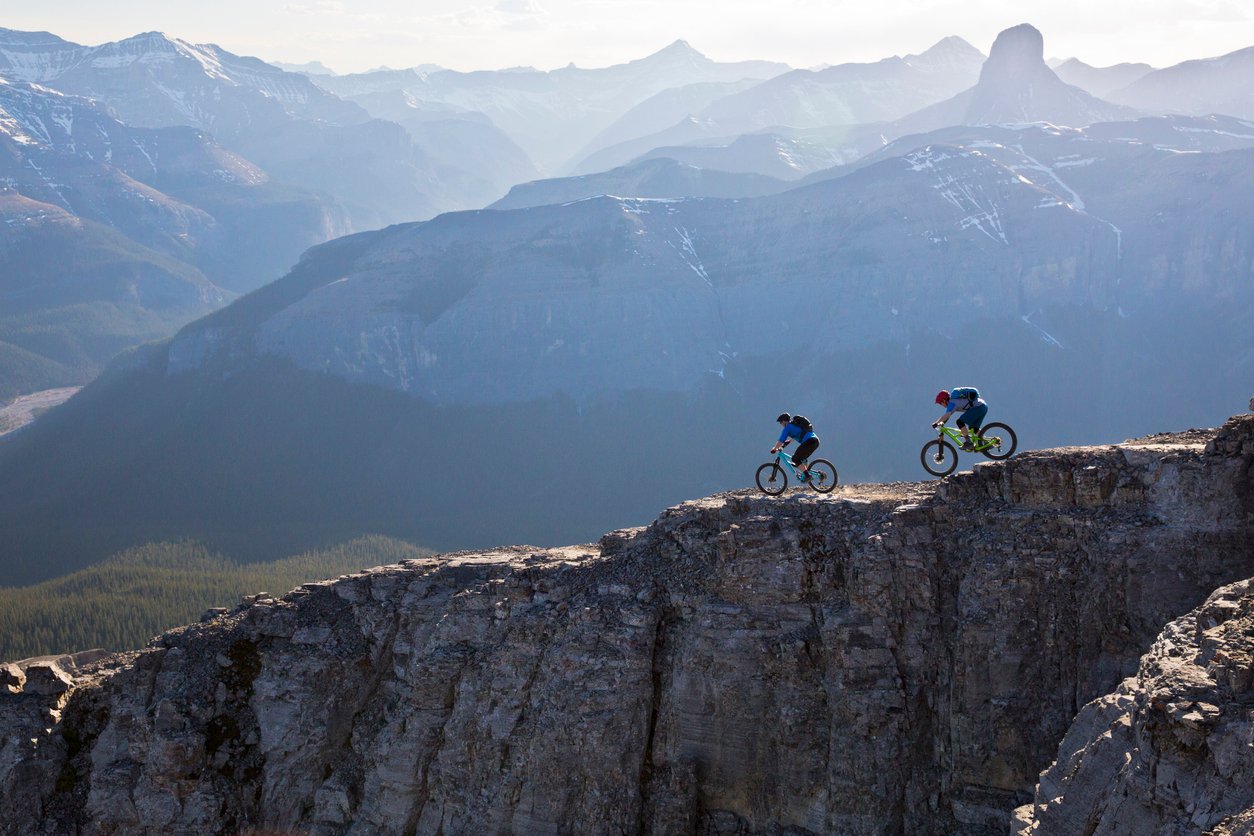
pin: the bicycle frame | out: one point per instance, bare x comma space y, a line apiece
786, 459
978, 441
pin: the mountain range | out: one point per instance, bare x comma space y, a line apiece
222, 169
541, 373
836, 97
1224, 84
1100, 81
117, 234
281, 121
528, 374
551, 115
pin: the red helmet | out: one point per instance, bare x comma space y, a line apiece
942, 397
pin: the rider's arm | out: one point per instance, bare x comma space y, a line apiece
943, 418
783, 439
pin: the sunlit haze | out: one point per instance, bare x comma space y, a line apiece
363, 34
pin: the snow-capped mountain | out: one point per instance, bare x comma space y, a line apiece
118, 235
152, 80
296, 131
171, 189
1150, 181
36, 56
1210, 85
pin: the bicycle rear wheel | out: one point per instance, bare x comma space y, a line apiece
822, 475
771, 479
940, 458
1003, 438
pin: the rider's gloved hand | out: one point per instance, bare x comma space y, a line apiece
935, 424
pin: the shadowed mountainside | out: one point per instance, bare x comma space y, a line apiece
600, 359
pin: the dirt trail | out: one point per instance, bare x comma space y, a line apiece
26, 408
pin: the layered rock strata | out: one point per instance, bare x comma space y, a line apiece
889, 659
1172, 749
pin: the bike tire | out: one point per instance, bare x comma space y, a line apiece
941, 461
823, 476
1009, 441
771, 479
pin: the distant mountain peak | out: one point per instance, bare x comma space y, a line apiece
13, 37
677, 49
949, 44
1017, 50
1016, 85
154, 37
948, 51
678, 45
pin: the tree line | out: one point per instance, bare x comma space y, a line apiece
122, 602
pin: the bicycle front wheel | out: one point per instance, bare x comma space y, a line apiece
822, 475
1003, 439
772, 479
940, 458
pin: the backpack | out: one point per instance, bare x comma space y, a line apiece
802, 423
969, 393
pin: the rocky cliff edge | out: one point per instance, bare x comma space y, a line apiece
888, 659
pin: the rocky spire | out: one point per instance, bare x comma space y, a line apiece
1016, 85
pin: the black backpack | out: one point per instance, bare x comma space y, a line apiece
802, 423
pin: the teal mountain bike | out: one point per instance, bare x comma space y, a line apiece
940, 456
772, 477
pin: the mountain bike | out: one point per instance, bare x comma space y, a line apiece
940, 457
772, 477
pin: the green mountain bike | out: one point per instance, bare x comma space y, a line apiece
940, 456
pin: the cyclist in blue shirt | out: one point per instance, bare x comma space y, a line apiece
967, 399
797, 429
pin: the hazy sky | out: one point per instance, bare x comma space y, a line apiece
353, 35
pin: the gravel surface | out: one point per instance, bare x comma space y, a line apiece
26, 408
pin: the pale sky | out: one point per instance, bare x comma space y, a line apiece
354, 35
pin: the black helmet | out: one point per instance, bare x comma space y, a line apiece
784, 417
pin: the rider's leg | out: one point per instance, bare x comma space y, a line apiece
975, 419
966, 438
971, 420
800, 459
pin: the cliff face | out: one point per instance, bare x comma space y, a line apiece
892, 658
1170, 750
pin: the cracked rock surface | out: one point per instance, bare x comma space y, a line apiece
887, 659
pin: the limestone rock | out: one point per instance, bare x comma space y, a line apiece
47, 679
889, 658
1169, 751
12, 678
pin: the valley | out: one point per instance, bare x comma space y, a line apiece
26, 408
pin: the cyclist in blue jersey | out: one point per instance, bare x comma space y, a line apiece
797, 428
967, 399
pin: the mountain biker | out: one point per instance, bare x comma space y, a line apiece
797, 428
967, 399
